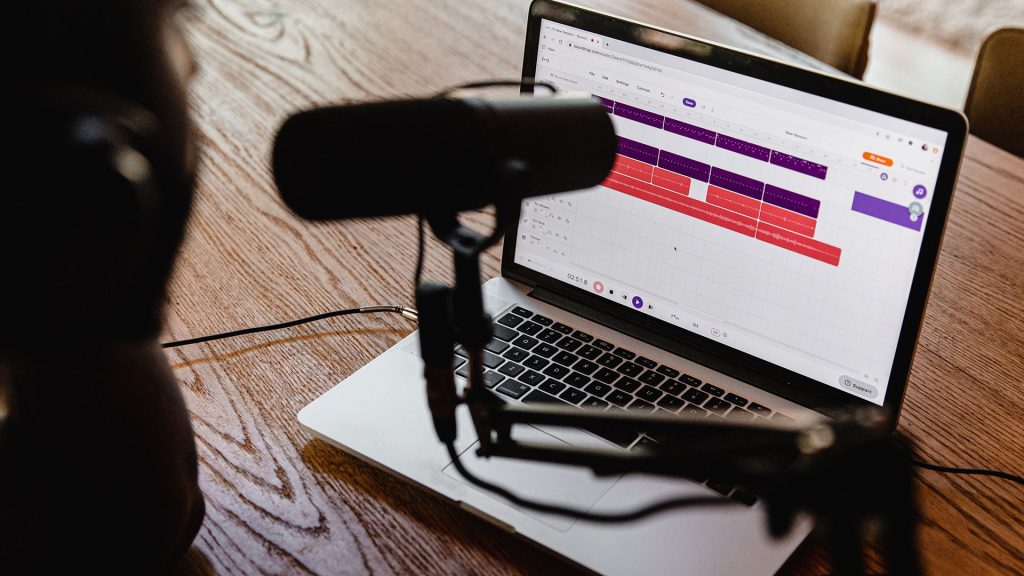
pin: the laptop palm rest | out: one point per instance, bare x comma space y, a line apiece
568, 486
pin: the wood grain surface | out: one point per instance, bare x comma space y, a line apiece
279, 502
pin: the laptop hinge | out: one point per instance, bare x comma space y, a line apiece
672, 345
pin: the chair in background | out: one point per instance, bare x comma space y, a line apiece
995, 102
833, 31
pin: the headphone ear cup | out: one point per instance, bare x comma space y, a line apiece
86, 216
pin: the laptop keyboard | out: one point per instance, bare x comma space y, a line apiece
537, 360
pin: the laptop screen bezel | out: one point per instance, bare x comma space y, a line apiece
778, 380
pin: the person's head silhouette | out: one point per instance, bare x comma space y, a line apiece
96, 448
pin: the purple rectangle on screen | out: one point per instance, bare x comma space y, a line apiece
791, 201
638, 115
638, 151
685, 166
608, 104
742, 147
690, 131
799, 165
737, 183
885, 210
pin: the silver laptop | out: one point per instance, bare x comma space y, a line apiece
762, 249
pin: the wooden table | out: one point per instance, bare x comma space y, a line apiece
280, 502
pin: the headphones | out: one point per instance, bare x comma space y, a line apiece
95, 216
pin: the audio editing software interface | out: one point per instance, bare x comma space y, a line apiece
778, 223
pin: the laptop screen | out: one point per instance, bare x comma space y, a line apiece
776, 222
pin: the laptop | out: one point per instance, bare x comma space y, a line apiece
762, 249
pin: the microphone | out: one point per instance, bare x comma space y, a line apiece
413, 156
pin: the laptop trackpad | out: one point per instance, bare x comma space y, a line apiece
569, 486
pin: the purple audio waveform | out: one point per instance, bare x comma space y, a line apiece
638, 151
791, 201
737, 183
685, 166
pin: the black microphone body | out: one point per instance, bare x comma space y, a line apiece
442, 154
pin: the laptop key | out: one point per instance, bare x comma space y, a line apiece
516, 354
464, 372
582, 336
520, 311
538, 397
550, 336
458, 362
511, 369
585, 367
564, 329
496, 346
619, 398
566, 358
670, 403
712, 389
651, 377
690, 380
530, 328
759, 410
461, 351
594, 403
693, 410
525, 342
503, 332
542, 320
492, 379
609, 360
589, 352
492, 360
606, 375
552, 386
640, 406
645, 362
510, 320
627, 354
670, 372
627, 384
536, 362
695, 396
673, 387
604, 345
576, 380
545, 350
513, 388
556, 371
717, 405
598, 389
737, 400
630, 369
531, 377
649, 393
572, 395
569, 343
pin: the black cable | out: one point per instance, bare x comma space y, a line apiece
407, 312
601, 517
420, 251
976, 471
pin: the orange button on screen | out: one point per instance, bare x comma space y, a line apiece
879, 159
